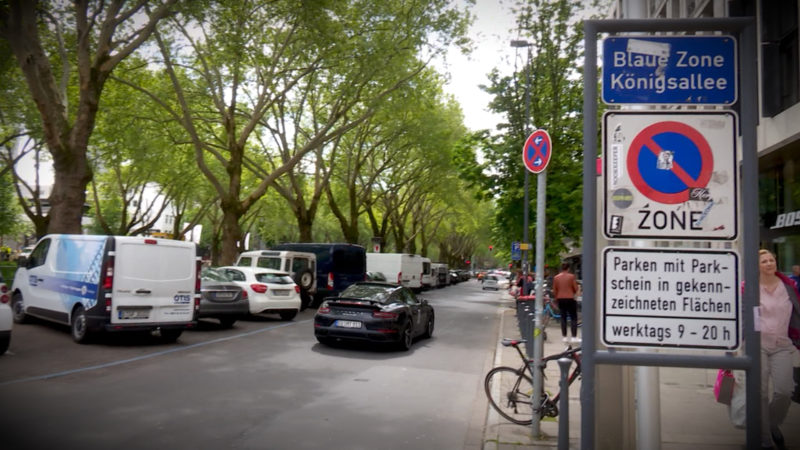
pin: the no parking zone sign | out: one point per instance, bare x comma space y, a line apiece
537, 151
670, 176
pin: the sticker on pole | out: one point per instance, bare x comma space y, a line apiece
537, 151
670, 176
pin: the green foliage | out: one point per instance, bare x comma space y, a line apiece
552, 79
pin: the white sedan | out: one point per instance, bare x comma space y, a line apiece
269, 291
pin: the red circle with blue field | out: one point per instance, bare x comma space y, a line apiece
668, 159
537, 151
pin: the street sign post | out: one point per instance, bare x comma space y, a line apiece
671, 298
537, 151
669, 69
670, 176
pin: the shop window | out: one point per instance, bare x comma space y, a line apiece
780, 73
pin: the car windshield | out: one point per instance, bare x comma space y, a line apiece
274, 278
211, 274
375, 292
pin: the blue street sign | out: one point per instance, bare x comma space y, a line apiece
670, 70
516, 252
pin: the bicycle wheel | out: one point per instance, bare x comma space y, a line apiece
509, 391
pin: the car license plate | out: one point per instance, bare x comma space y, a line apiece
347, 324
133, 313
281, 292
225, 295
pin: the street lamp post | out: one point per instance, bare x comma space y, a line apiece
536, 337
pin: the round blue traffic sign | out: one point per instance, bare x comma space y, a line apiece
537, 151
666, 160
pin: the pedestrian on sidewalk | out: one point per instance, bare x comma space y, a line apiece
795, 276
565, 286
779, 311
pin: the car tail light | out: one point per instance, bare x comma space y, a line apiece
4, 297
3, 288
260, 288
297, 288
151, 241
324, 309
197, 304
244, 293
399, 277
108, 305
384, 315
330, 280
108, 274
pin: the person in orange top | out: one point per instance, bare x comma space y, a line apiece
565, 286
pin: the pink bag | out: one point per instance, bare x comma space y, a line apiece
723, 388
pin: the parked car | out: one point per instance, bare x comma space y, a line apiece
6, 320
25, 252
491, 281
268, 291
109, 283
375, 312
301, 266
222, 299
338, 265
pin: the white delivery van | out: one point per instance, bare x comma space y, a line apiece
427, 274
301, 266
441, 274
109, 283
402, 268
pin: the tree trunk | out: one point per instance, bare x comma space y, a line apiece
231, 232
67, 200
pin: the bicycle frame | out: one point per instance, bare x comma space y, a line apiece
550, 405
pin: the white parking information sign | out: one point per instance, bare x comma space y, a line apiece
671, 298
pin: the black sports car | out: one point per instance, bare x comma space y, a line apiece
374, 311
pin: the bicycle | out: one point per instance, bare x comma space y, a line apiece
510, 390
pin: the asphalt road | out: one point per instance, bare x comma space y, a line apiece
263, 384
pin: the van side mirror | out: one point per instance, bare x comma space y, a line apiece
22, 261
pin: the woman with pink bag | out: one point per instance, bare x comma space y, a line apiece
779, 320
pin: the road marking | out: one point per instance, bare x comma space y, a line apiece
148, 356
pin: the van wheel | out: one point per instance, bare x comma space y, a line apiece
170, 335
18, 308
288, 315
305, 279
79, 326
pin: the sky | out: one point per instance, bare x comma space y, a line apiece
492, 30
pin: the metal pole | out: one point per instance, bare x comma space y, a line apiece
538, 338
563, 413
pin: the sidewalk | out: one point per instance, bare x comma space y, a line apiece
690, 417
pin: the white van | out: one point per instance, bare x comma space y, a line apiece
401, 268
301, 266
427, 274
441, 274
109, 283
